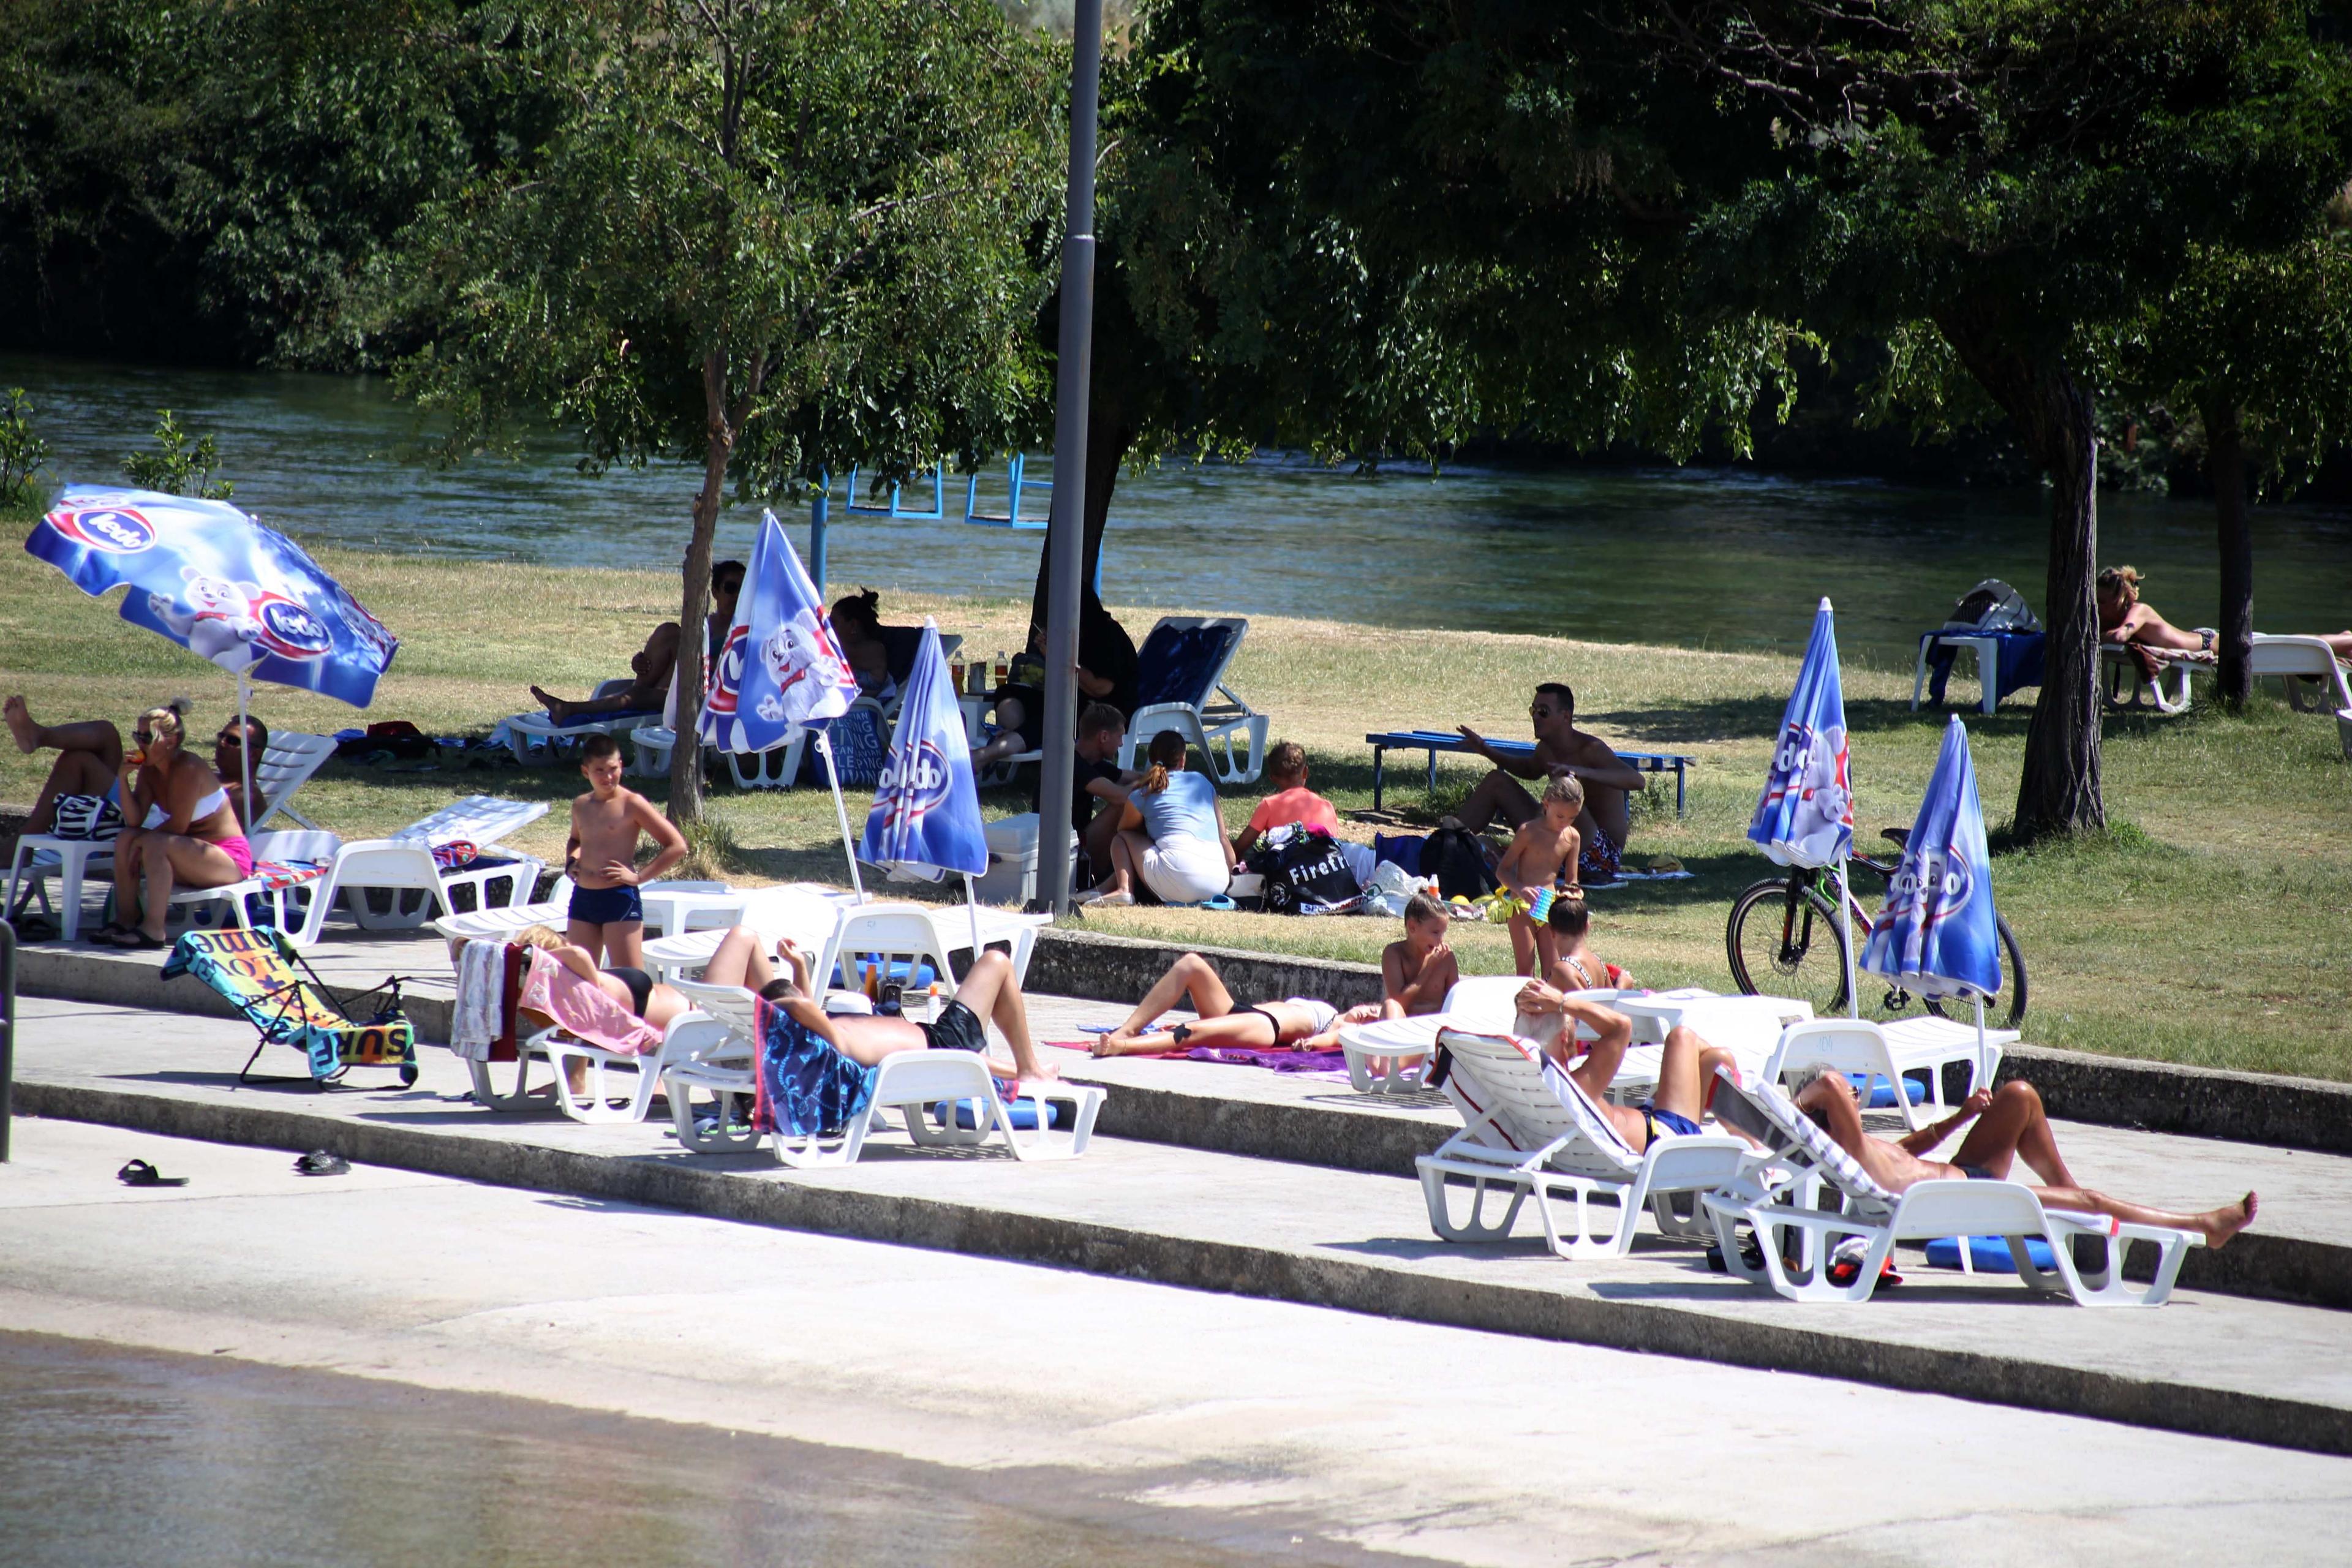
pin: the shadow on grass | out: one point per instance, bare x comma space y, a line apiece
1758, 719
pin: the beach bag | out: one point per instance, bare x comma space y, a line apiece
85, 817
1992, 606
1453, 857
1390, 888
1403, 850
1305, 872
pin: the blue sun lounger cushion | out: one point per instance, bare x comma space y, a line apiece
1023, 1114
1989, 1254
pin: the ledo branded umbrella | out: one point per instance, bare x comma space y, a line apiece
1805, 816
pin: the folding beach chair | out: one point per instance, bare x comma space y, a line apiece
1180, 685
284, 999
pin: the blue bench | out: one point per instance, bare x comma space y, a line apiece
1436, 741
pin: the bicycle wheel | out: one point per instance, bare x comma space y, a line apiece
2012, 987
1784, 940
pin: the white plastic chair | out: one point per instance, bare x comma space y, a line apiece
2295, 660
886, 932
1860, 1045
1214, 713
1777, 1195
1529, 1128
1392, 1054
282, 902
598, 1101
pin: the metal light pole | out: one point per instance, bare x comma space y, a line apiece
1067, 531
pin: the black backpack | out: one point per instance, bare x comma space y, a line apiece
1456, 861
1305, 872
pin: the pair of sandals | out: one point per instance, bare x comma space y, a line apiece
131, 939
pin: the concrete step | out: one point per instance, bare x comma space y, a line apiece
2210, 1364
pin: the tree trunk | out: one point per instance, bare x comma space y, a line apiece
694, 610
2225, 465
2058, 791
1109, 436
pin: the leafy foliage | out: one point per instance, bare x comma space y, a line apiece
22, 453
178, 467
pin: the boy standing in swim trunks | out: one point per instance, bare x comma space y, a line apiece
1544, 851
608, 916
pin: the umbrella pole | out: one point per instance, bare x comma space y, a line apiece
245, 750
1982, 1075
971, 908
1845, 918
824, 744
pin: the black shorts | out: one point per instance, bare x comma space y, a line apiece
957, 1028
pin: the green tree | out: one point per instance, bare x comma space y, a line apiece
770, 237
177, 466
22, 453
2258, 346
2020, 176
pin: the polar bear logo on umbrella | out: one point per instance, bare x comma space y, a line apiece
220, 622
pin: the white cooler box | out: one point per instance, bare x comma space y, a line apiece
1011, 875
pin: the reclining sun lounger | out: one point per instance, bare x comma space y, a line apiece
1777, 1193
1180, 685
1392, 1054
2127, 687
526, 732
1526, 1126
2315, 681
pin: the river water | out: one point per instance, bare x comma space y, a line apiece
1712, 558
135, 1460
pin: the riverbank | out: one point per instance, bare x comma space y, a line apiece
2207, 932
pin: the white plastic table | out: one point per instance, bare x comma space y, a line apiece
674, 906
1988, 652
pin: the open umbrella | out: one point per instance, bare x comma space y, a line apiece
780, 669
1939, 935
1805, 816
925, 815
215, 581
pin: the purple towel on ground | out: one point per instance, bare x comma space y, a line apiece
1277, 1061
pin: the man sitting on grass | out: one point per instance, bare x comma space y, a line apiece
1560, 747
1292, 801
2010, 1128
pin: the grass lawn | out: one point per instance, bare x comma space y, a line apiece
2212, 929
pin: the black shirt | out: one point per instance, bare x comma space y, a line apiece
1106, 652
1083, 770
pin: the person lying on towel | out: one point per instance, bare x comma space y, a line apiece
1549, 1015
2011, 1128
1298, 1023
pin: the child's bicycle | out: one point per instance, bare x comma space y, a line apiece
1786, 940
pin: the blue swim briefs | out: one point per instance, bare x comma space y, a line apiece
607, 906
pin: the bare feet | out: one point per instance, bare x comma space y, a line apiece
2226, 1221
557, 709
1148, 1043
21, 725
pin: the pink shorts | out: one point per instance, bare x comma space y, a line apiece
237, 850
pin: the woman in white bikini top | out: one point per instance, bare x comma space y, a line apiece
187, 837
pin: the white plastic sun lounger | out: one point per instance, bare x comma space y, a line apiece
1180, 685
1860, 1045
1390, 1055
1528, 1127
1762, 1198
523, 730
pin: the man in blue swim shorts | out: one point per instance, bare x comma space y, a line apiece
608, 916
1550, 1017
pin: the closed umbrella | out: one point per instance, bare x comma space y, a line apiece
1939, 935
926, 816
1805, 816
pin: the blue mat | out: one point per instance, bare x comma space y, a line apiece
1989, 1253
1882, 1093
1022, 1113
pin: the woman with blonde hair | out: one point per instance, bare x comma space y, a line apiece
181, 830
2123, 619
1171, 834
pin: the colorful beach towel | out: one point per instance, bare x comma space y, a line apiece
803, 1087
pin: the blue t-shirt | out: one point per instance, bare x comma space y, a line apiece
1187, 808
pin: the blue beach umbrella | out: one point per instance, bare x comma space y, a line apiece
926, 817
780, 669
213, 580
1805, 816
1937, 935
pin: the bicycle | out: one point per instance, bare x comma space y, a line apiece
1798, 942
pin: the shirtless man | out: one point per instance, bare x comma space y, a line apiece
1560, 747
1297, 1023
650, 672
989, 990
1549, 1017
1419, 970
2010, 1128
608, 916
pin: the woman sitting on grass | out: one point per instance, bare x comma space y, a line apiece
1172, 834
1298, 1023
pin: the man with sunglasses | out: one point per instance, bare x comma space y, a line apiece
232, 754
1560, 747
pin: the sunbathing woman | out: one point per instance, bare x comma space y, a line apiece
187, 834
2123, 619
1298, 1023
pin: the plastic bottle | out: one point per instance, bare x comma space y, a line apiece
1002, 666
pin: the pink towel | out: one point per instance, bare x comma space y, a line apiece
584, 1009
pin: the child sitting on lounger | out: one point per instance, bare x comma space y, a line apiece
607, 915
2010, 1128
1298, 1023
1542, 854
1577, 967
1417, 971
1292, 801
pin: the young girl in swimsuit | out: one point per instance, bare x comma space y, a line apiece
1298, 1023
1578, 967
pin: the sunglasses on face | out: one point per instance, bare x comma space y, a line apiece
233, 742
144, 737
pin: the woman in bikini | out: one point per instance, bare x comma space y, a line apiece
1297, 1023
2123, 619
187, 834
989, 991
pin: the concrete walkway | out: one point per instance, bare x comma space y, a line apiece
2210, 1364
1258, 1427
